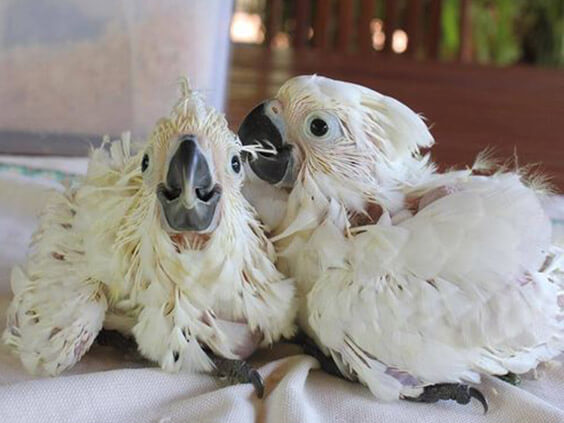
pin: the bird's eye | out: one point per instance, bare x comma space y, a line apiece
321, 126
236, 164
145, 162
318, 127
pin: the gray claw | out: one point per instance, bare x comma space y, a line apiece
474, 393
238, 371
462, 394
257, 381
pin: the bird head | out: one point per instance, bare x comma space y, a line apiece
192, 164
350, 139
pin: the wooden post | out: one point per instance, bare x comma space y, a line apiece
321, 24
273, 20
434, 39
465, 51
344, 30
364, 33
302, 15
414, 19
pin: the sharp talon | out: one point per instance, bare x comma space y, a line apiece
238, 371
462, 394
474, 393
256, 379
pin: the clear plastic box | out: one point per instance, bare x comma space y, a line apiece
70, 67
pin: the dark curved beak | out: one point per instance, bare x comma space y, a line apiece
259, 127
189, 197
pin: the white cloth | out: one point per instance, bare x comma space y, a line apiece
106, 387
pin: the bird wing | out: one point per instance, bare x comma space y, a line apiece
468, 284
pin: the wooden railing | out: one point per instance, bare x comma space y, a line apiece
343, 26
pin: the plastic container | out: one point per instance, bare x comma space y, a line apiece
76, 69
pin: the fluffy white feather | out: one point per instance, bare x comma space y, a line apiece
104, 253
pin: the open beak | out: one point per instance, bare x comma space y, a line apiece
262, 126
189, 197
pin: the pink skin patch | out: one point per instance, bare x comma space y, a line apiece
415, 204
186, 240
371, 216
436, 194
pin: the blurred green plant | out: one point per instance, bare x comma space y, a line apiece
508, 31
503, 31
541, 27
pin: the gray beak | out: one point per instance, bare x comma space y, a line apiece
259, 127
189, 197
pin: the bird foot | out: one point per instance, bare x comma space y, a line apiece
115, 339
238, 371
120, 342
234, 371
511, 378
462, 394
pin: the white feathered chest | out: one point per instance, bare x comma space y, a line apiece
101, 247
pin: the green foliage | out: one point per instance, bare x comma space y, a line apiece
541, 27
495, 40
508, 31
450, 28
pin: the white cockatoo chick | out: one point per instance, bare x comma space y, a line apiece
161, 245
412, 281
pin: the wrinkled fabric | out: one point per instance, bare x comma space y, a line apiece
107, 386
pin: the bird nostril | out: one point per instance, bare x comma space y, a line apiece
204, 195
170, 194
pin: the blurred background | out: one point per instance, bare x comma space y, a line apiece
482, 72
490, 32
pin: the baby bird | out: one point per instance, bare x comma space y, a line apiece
412, 281
160, 245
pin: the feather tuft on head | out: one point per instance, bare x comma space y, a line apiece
185, 86
393, 126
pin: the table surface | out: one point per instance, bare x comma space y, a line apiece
469, 107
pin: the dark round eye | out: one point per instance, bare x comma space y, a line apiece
236, 164
145, 163
318, 127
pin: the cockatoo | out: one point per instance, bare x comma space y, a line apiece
161, 245
414, 282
